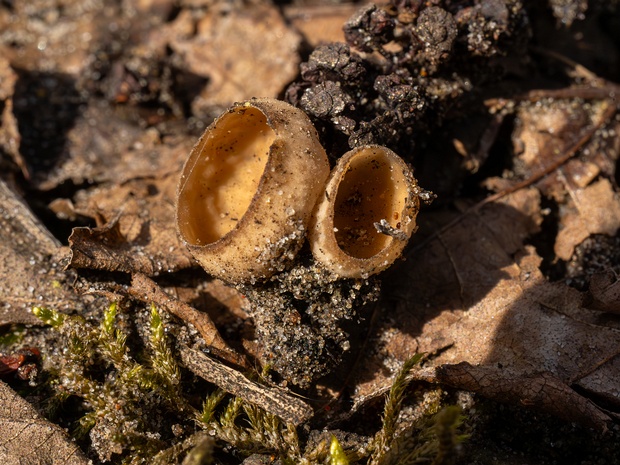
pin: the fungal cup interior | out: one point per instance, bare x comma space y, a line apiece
370, 190
222, 175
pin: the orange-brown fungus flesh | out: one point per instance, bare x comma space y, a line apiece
226, 175
365, 196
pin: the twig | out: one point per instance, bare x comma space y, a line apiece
149, 291
581, 70
271, 399
599, 88
608, 92
570, 153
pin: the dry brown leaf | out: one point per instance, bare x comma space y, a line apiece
9, 136
249, 52
106, 144
525, 322
39, 37
604, 293
139, 233
320, 24
542, 132
593, 210
27, 438
30, 276
54, 55
438, 282
466, 299
542, 390
7, 79
603, 382
9, 133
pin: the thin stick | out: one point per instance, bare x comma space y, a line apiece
570, 153
149, 291
271, 399
608, 92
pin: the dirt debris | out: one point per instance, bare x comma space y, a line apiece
506, 109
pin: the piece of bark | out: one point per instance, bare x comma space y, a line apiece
28, 439
30, 274
271, 399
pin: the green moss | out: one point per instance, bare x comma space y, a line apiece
133, 399
383, 439
49, 317
446, 429
12, 335
336, 453
430, 438
124, 400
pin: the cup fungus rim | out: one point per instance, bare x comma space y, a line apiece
196, 152
270, 230
341, 262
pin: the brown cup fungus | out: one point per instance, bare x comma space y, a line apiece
248, 189
367, 213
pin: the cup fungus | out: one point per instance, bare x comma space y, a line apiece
367, 213
248, 189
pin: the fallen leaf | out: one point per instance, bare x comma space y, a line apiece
249, 52
107, 144
23, 364
542, 132
31, 275
602, 383
604, 293
7, 83
27, 438
593, 210
38, 37
139, 233
9, 133
320, 24
525, 322
541, 391
467, 297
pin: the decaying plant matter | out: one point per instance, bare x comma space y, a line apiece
407, 66
126, 409
288, 302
